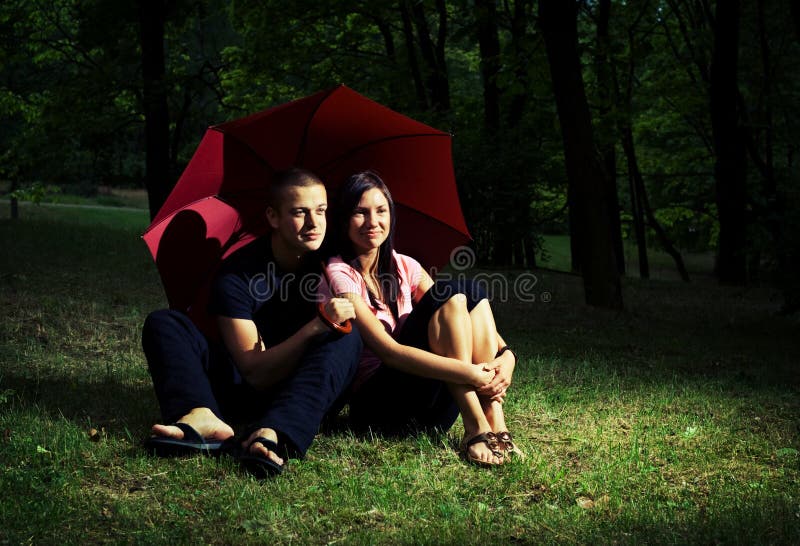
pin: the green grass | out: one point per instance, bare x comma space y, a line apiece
677, 418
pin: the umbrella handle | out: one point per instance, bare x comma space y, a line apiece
344, 328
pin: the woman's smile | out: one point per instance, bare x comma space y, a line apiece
370, 221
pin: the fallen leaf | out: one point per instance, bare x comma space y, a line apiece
585, 502
7, 435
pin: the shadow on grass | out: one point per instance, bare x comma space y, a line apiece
105, 404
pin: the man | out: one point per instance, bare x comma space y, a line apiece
280, 367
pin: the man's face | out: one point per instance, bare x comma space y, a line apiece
300, 221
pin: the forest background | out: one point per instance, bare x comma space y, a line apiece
663, 132
670, 124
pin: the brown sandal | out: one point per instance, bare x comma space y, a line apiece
511, 449
488, 438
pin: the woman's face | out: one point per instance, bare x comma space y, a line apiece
369, 222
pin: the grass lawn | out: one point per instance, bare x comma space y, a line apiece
674, 421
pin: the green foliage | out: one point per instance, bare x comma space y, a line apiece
689, 229
71, 98
35, 193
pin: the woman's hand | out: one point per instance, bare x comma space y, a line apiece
482, 376
503, 368
340, 310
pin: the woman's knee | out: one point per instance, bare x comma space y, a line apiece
472, 291
458, 301
455, 306
482, 310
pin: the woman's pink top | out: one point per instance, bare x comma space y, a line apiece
345, 279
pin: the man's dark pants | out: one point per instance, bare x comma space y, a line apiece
189, 372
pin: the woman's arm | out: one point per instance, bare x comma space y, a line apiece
410, 359
263, 366
425, 284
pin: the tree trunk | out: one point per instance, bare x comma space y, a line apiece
489, 44
519, 98
14, 201
623, 104
645, 210
433, 55
774, 211
180, 119
558, 21
441, 62
730, 168
640, 203
637, 206
411, 52
158, 182
388, 39
506, 245
574, 229
605, 98
530, 251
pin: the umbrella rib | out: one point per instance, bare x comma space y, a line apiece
247, 147
433, 219
301, 151
376, 142
151, 227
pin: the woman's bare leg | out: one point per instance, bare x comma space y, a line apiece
450, 334
484, 348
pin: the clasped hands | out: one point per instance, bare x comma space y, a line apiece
494, 378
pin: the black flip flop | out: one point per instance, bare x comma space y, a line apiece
191, 444
258, 465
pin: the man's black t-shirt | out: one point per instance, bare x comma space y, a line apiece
250, 285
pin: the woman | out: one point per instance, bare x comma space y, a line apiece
432, 351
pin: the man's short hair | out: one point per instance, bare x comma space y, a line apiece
290, 178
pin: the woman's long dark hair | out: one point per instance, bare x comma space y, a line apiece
347, 200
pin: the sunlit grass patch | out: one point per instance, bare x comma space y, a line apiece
674, 421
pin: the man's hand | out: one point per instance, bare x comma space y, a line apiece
340, 310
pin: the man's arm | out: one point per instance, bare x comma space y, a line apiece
263, 366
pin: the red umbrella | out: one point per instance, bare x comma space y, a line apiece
217, 205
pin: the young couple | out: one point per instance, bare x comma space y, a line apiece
430, 350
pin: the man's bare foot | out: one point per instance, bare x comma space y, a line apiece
203, 420
482, 449
257, 448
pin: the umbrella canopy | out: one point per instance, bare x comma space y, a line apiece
218, 204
